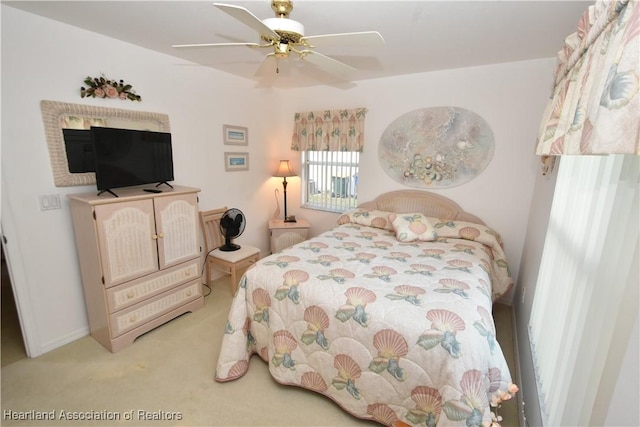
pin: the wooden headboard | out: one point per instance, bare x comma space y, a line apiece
429, 204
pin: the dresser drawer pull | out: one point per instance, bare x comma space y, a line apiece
131, 294
132, 318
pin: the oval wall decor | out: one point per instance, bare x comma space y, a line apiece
436, 147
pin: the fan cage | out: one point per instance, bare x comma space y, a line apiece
232, 225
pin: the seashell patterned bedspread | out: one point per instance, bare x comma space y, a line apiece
390, 331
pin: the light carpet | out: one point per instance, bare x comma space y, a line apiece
166, 379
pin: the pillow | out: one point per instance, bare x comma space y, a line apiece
371, 218
410, 227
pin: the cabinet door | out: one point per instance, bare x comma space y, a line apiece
284, 238
177, 226
127, 239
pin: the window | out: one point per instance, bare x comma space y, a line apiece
586, 292
330, 180
330, 142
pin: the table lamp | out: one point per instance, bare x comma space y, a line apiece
285, 171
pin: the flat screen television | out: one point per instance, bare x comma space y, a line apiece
125, 157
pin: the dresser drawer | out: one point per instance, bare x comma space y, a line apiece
126, 295
155, 307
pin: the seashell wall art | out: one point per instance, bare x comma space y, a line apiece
436, 147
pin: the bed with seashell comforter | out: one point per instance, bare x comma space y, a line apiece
388, 314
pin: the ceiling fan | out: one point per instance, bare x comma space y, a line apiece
285, 37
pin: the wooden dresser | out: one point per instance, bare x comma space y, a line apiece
139, 258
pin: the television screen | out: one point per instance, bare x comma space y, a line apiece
125, 157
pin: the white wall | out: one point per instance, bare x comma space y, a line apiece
52, 63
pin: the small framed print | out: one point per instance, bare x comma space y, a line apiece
236, 162
235, 135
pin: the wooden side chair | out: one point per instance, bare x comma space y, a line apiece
229, 262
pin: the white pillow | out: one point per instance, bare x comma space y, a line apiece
371, 218
410, 227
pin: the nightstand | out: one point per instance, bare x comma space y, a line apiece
286, 234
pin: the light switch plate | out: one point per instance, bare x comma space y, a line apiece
50, 202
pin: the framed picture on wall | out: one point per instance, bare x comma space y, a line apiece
236, 162
235, 135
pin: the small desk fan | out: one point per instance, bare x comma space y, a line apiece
232, 225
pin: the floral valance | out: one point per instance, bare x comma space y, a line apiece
329, 130
595, 105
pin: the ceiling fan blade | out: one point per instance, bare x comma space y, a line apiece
267, 67
218, 45
327, 64
270, 70
360, 39
248, 19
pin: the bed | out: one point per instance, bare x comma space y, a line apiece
388, 313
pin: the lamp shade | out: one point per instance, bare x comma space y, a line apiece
284, 170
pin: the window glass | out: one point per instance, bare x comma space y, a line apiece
330, 180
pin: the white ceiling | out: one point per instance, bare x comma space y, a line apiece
419, 35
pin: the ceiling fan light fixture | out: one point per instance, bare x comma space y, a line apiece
281, 50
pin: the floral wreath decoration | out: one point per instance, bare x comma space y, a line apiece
101, 87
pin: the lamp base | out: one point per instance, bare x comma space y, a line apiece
291, 218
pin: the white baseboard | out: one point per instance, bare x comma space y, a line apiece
64, 340
519, 398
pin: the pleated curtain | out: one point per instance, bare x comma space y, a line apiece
595, 105
329, 130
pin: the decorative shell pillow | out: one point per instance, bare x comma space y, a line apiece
410, 227
371, 218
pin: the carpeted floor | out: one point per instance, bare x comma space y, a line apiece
166, 378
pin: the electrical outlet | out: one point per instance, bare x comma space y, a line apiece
523, 294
